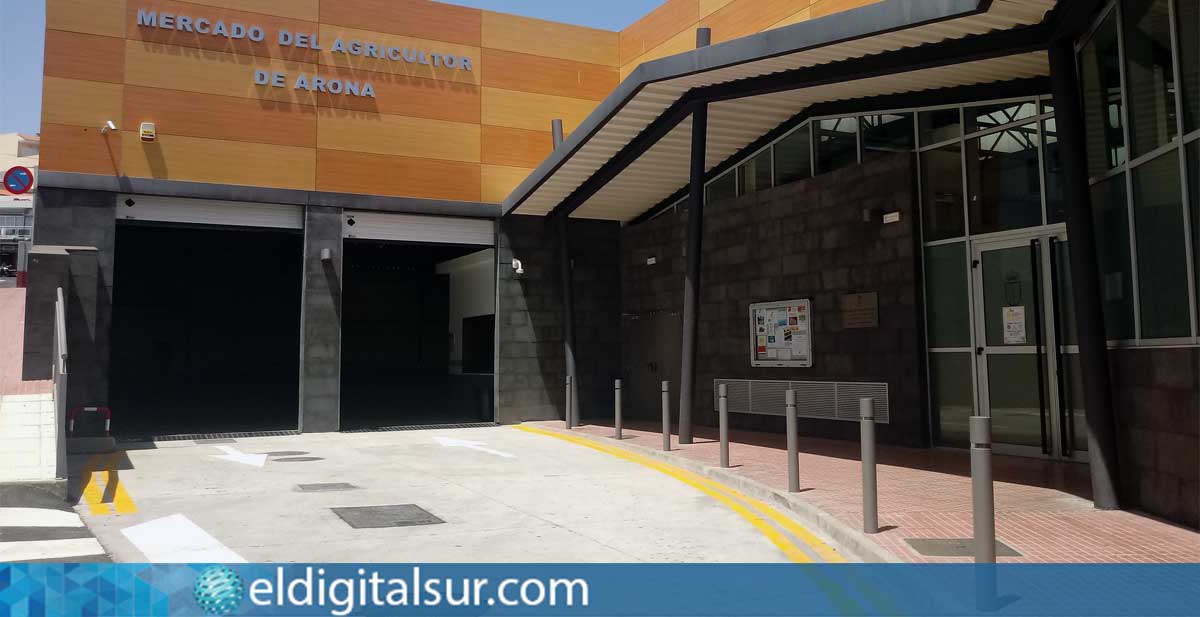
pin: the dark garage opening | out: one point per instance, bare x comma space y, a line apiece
418, 330
206, 330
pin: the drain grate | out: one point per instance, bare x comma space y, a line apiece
955, 547
206, 436
421, 427
376, 517
218, 440
325, 487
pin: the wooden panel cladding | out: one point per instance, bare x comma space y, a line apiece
104, 17
550, 39
515, 147
661, 24
525, 110
270, 24
377, 174
794, 18
407, 96
745, 17
684, 41
221, 117
210, 72
341, 129
175, 157
80, 103
498, 182
821, 8
84, 56
708, 7
416, 18
80, 149
296, 9
516, 71
421, 49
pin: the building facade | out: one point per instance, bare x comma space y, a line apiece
328, 216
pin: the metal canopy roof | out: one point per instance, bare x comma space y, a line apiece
654, 88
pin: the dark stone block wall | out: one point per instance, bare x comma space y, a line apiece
321, 322
802, 240
1158, 430
531, 375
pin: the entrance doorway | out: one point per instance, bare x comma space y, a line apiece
1028, 376
651, 356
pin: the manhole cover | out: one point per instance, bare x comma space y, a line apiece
375, 517
955, 547
298, 459
325, 487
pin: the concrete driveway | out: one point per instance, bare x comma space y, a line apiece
496, 494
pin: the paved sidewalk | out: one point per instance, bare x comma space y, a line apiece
12, 343
1043, 507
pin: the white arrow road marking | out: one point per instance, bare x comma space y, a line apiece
176, 539
450, 442
234, 455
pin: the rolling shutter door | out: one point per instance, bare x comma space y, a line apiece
418, 228
209, 212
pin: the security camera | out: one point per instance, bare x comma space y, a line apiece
517, 267
108, 126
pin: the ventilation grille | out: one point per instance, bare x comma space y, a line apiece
826, 400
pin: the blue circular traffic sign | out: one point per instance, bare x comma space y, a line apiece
18, 180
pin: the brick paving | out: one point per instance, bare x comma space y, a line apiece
12, 339
1043, 508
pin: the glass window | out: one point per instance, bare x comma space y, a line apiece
939, 125
1150, 74
985, 117
1055, 203
837, 144
953, 397
755, 174
1003, 180
721, 189
1193, 167
884, 133
1161, 248
941, 193
1109, 208
1187, 15
1100, 75
946, 293
793, 157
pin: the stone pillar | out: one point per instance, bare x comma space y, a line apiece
321, 321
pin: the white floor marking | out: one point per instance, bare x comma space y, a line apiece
176, 539
450, 442
234, 455
38, 517
49, 549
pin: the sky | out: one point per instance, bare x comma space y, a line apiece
23, 27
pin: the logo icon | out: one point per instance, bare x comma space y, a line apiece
219, 590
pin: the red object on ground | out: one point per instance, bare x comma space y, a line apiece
21, 277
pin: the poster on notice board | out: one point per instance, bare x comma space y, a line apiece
781, 333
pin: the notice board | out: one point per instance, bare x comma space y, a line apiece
781, 333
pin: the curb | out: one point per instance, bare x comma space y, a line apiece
855, 543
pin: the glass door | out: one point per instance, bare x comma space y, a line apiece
1027, 361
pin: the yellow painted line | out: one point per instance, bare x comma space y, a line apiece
122, 502
91, 490
724, 494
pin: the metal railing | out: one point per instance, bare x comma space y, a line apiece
60, 381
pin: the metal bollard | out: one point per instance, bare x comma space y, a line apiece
666, 410
793, 443
568, 413
617, 410
723, 422
866, 412
983, 505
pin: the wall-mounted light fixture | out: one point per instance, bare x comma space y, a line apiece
108, 126
326, 255
517, 267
